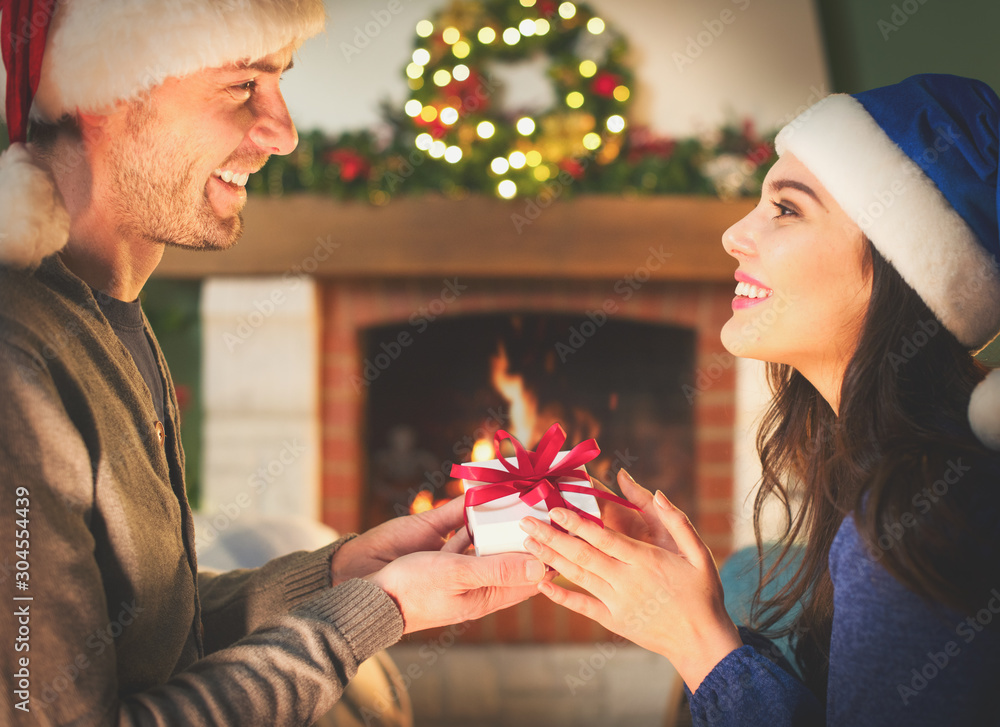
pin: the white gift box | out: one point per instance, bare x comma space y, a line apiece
495, 525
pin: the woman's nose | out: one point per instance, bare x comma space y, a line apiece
738, 240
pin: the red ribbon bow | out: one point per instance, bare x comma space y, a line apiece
533, 476
24, 26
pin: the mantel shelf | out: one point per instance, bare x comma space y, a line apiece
589, 237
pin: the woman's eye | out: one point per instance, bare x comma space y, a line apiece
781, 210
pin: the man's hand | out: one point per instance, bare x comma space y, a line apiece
438, 589
401, 536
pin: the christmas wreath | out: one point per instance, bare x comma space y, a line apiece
454, 110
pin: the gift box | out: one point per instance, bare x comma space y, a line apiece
494, 525
502, 491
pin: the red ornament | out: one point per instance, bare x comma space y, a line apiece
546, 8
435, 128
474, 93
605, 83
572, 167
644, 144
184, 396
352, 164
760, 153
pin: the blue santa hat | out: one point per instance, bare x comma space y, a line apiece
915, 166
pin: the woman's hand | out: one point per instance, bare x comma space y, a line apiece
643, 524
665, 595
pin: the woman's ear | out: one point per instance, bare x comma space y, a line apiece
866, 257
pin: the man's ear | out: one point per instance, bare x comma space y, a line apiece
94, 127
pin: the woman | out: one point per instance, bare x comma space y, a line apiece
877, 227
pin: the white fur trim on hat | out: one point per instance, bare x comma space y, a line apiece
99, 52
35, 220
984, 410
902, 212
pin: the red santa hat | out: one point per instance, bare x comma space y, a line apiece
65, 56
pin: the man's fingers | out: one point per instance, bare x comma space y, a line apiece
458, 543
446, 518
503, 570
495, 599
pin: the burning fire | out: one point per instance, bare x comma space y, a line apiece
524, 424
482, 450
523, 404
423, 502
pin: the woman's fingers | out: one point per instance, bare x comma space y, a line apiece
679, 527
582, 603
571, 557
606, 540
633, 491
639, 495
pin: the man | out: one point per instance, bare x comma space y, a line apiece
150, 115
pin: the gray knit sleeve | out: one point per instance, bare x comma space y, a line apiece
287, 670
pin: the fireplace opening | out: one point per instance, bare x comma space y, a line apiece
437, 393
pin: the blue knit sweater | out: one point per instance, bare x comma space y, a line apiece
894, 660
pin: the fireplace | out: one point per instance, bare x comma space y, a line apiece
438, 391
409, 381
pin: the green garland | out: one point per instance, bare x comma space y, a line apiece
730, 162
451, 137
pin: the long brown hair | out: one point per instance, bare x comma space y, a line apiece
902, 419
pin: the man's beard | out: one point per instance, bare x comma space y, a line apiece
155, 193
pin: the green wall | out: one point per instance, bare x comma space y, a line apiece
173, 308
876, 42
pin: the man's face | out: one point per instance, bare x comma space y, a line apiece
176, 163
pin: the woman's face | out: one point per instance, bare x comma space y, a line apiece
803, 281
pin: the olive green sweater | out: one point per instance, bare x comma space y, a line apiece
97, 532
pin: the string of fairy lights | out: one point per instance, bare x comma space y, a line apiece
453, 110
460, 132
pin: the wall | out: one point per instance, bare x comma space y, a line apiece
875, 42
261, 400
693, 69
173, 309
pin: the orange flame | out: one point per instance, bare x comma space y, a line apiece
482, 450
523, 404
423, 502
